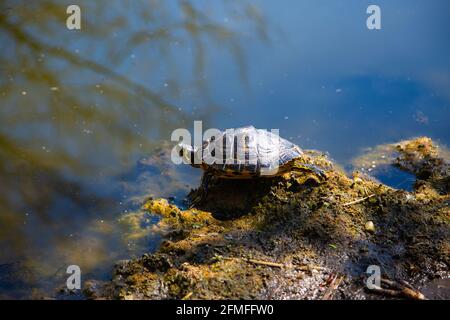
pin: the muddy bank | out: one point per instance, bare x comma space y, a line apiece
295, 237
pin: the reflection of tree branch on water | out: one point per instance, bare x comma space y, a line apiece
81, 62
193, 22
30, 186
124, 112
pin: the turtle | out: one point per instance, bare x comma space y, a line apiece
246, 153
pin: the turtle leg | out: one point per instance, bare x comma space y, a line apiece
312, 168
206, 180
203, 190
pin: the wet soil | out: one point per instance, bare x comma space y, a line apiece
299, 237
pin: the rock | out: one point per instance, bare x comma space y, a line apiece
207, 250
94, 289
369, 226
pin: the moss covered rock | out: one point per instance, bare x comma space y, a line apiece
294, 237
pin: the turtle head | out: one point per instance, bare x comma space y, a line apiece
188, 153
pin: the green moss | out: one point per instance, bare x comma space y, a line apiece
294, 220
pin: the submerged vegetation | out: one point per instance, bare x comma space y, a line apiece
78, 107
294, 238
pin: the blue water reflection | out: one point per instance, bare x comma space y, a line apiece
86, 115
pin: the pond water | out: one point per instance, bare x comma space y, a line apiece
86, 114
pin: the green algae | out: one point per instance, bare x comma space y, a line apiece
293, 222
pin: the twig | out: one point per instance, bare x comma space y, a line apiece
335, 283
396, 289
266, 263
405, 289
308, 267
358, 200
186, 297
261, 262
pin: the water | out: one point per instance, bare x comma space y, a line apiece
84, 114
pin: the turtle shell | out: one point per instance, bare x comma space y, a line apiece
248, 152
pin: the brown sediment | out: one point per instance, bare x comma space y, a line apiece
297, 237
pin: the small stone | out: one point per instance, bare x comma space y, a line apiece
369, 226
357, 180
